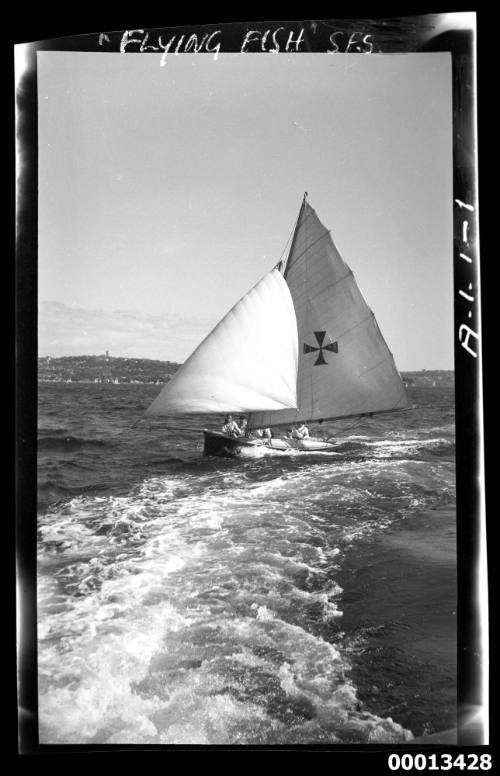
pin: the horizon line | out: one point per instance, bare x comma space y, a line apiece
166, 360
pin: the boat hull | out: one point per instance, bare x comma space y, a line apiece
219, 444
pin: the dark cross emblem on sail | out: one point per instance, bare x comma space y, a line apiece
333, 347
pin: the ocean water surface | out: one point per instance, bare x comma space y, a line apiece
292, 598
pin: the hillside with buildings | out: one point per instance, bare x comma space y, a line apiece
104, 369
109, 369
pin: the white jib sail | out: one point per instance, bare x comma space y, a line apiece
248, 362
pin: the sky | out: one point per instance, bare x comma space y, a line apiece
166, 193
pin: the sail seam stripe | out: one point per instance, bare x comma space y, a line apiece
387, 358
336, 282
363, 320
295, 258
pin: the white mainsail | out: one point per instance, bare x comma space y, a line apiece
248, 362
345, 366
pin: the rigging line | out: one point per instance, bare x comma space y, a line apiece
298, 225
362, 417
294, 227
131, 426
348, 428
287, 243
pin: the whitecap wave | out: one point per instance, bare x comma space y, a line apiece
190, 611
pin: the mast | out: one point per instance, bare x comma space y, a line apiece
295, 231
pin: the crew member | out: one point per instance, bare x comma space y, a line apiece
230, 427
300, 432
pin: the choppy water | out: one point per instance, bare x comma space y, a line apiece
187, 600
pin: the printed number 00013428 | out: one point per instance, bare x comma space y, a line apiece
439, 762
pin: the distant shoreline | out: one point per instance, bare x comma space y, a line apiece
158, 382
102, 382
107, 369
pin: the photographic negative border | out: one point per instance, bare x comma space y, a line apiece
454, 32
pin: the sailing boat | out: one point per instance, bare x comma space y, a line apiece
301, 346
